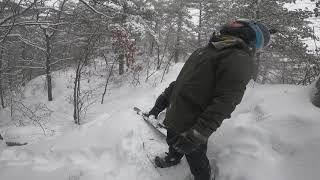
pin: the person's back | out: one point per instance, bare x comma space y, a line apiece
225, 63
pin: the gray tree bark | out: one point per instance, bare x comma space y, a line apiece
1, 87
48, 60
316, 97
200, 23
178, 43
179, 33
121, 63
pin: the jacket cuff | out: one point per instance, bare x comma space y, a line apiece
203, 128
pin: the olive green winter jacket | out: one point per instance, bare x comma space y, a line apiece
210, 85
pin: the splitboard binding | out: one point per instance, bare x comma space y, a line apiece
150, 146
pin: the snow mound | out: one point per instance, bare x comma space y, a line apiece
273, 134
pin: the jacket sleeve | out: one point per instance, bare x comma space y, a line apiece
163, 100
232, 76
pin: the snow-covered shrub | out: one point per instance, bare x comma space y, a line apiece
35, 114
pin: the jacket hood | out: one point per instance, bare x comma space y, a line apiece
224, 42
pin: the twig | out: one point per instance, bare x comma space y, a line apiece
60, 61
19, 13
110, 73
166, 68
94, 10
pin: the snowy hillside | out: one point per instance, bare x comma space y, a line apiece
273, 134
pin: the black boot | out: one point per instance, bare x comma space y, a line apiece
167, 161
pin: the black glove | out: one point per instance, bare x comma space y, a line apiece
188, 141
160, 105
154, 111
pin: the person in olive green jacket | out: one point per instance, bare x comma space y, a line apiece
207, 90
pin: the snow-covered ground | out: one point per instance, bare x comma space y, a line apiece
273, 134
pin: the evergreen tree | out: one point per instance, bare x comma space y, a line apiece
287, 50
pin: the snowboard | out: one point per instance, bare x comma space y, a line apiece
154, 123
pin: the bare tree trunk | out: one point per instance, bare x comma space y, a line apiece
158, 58
158, 50
11, 97
306, 78
82, 60
1, 87
108, 78
256, 15
153, 42
200, 23
178, 43
257, 67
78, 97
30, 75
166, 68
121, 63
48, 68
265, 73
48, 38
151, 48
1, 95
75, 96
283, 74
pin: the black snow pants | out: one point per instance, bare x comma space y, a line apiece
197, 160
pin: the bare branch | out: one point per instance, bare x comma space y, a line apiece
31, 62
18, 14
94, 10
59, 61
8, 32
26, 41
29, 67
38, 23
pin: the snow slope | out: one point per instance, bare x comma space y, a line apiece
273, 134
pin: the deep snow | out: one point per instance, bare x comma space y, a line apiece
273, 134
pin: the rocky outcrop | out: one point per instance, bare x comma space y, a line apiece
15, 144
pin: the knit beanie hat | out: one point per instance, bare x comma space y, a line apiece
253, 33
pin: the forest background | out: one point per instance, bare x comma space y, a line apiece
130, 40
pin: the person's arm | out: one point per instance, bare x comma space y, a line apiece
162, 101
